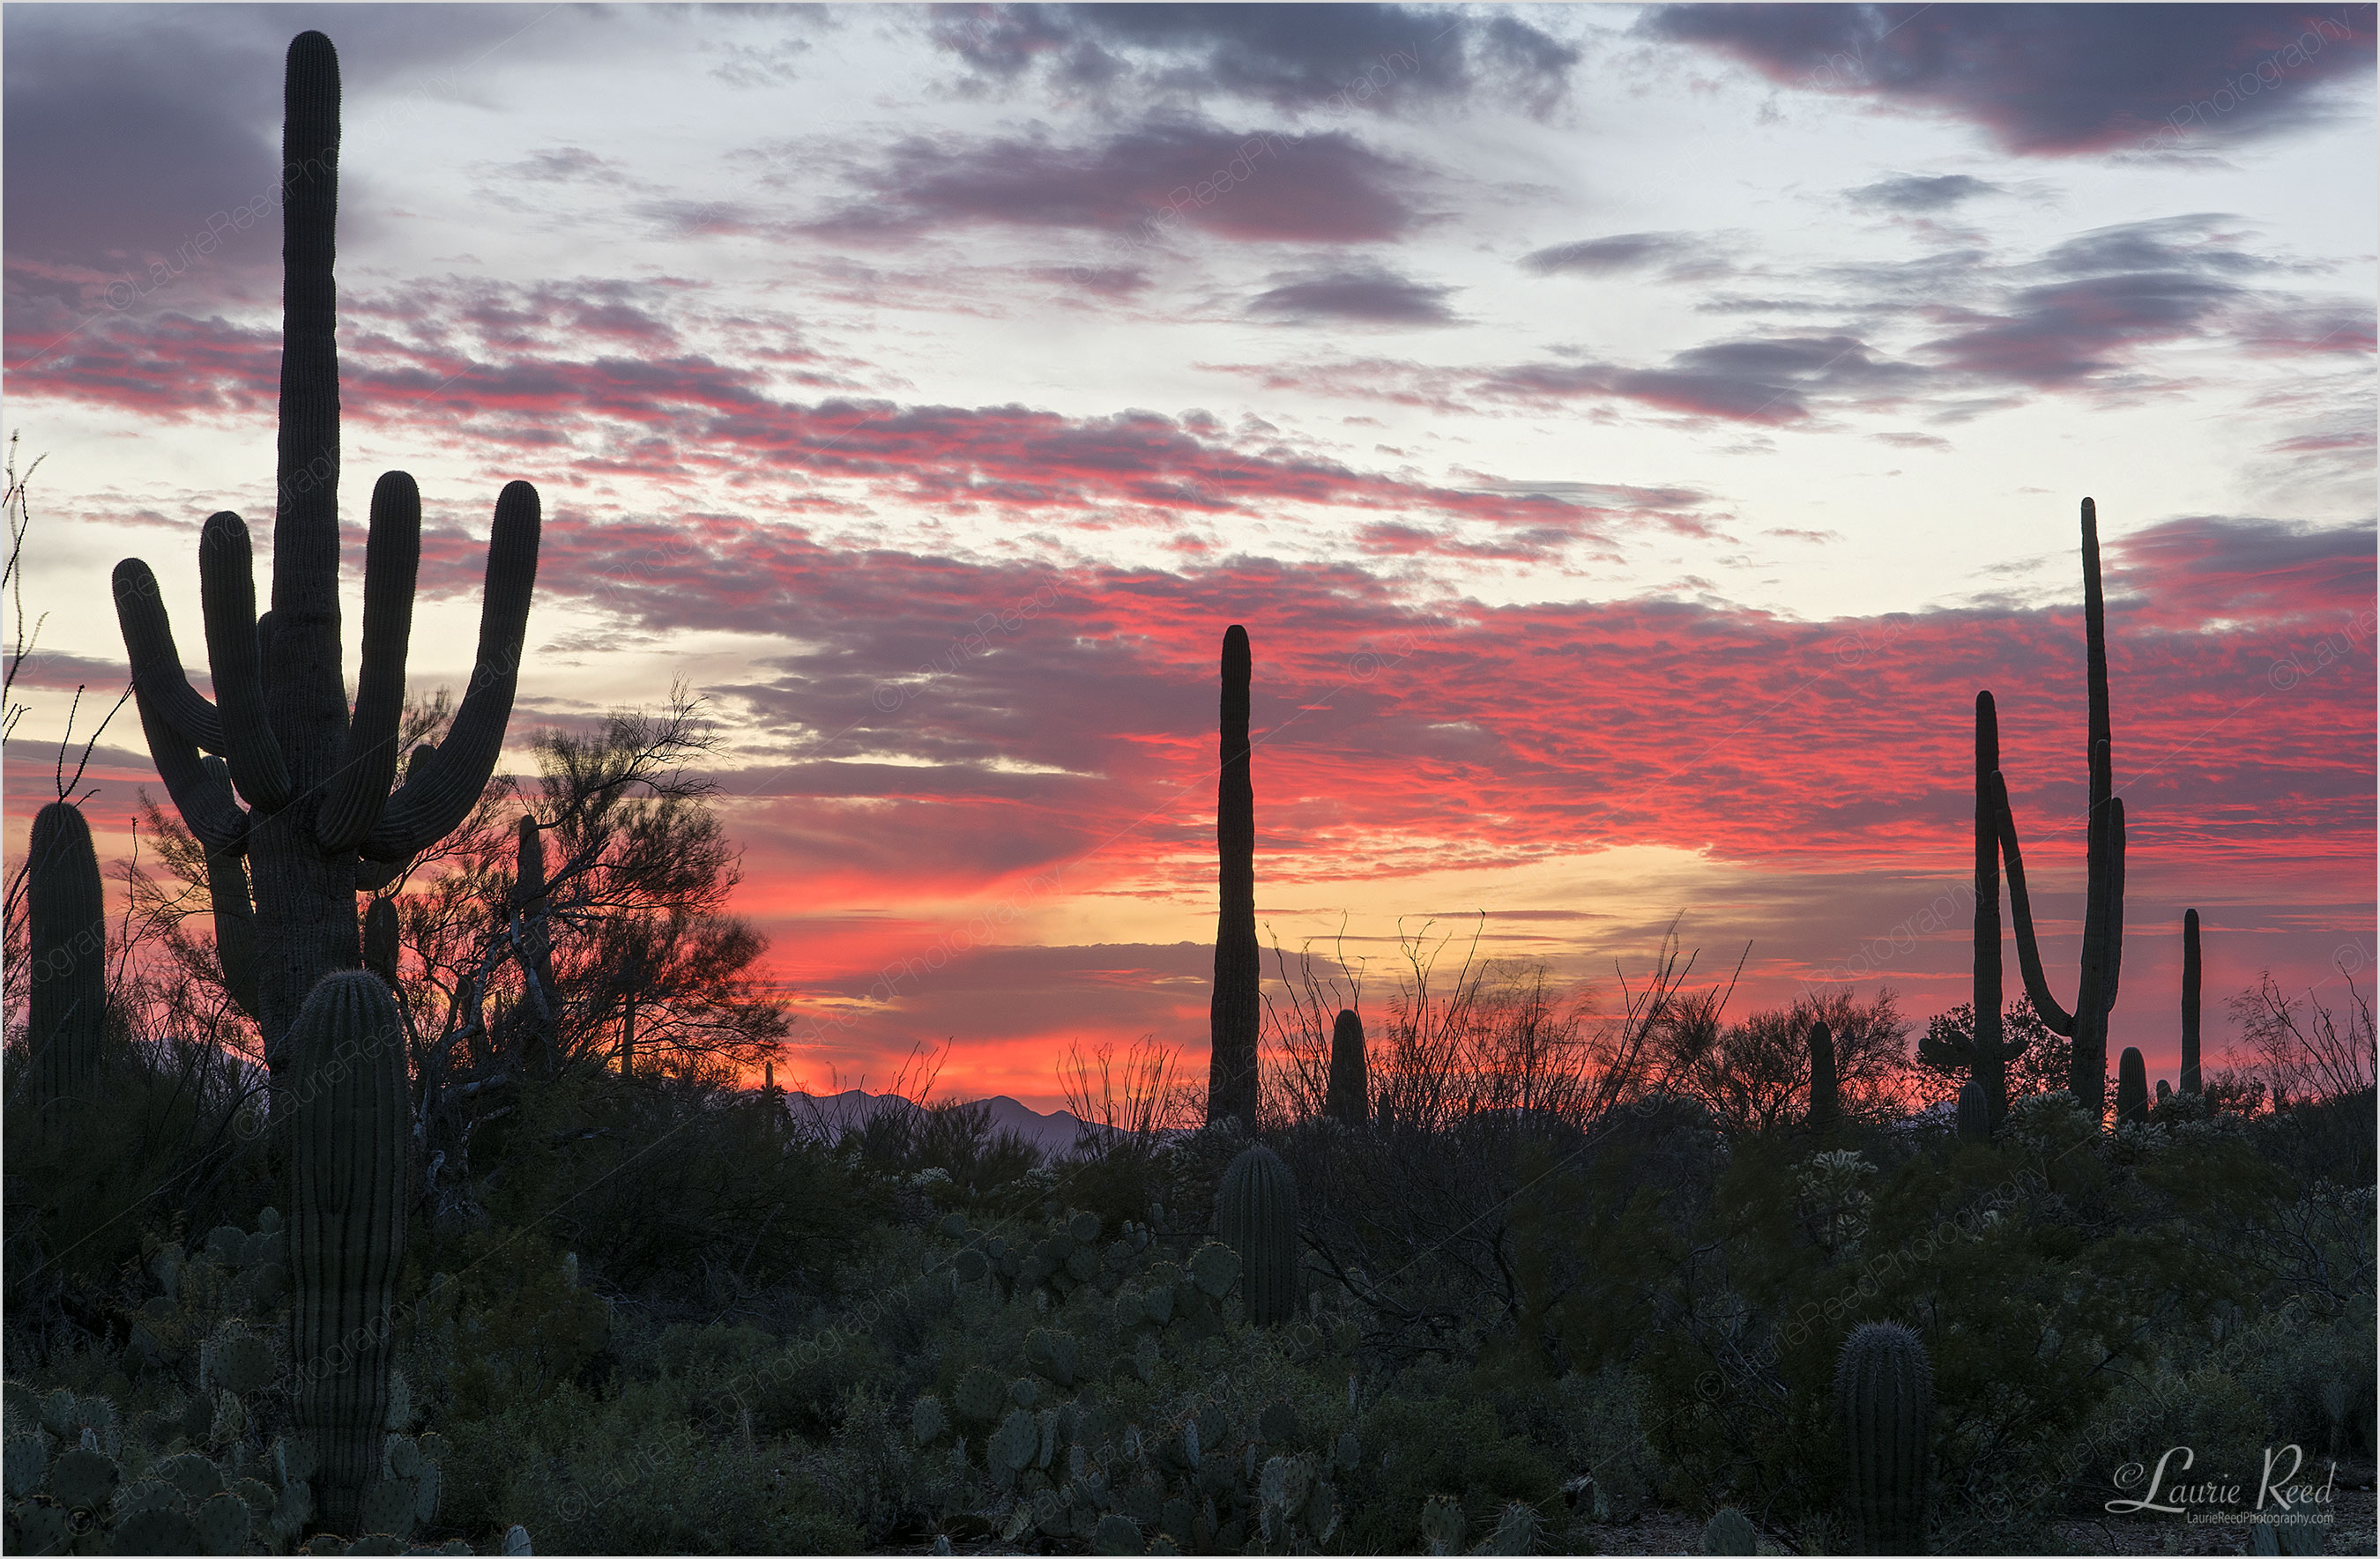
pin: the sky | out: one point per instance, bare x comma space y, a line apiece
1631, 436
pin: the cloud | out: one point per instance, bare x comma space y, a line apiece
1368, 294
2056, 81
1147, 182
1911, 192
1329, 59
1685, 254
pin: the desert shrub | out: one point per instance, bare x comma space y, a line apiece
629, 1474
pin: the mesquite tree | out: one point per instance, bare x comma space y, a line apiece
2103, 903
1234, 1016
320, 820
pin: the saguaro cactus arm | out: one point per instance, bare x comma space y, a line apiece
443, 783
156, 664
235, 912
228, 591
201, 792
2028, 949
368, 764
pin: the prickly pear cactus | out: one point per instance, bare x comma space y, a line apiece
1255, 1211
1884, 1400
1729, 1531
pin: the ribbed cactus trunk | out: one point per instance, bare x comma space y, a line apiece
1987, 1065
1975, 1113
2102, 906
320, 821
66, 913
1233, 1015
2132, 1088
1347, 1099
344, 1092
1884, 1401
2191, 1081
1825, 1101
1255, 1211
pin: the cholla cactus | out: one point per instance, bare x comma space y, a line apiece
1884, 1400
1255, 1211
1833, 1189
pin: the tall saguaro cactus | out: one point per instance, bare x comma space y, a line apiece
1985, 1053
2191, 1079
66, 913
1884, 1401
344, 1090
320, 820
1232, 1015
2103, 903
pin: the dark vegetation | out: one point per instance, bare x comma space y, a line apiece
483, 1238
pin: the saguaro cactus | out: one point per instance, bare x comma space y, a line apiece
1255, 1211
1884, 1400
344, 1090
381, 948
1232, 1015
2132, 1087
66, 915
531, 936
1826, 1099
2103, 904
315, 779
2191, 1079
1348, 1098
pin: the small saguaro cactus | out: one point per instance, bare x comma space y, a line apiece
536, 943
2102, 906
1348, 1098
344, 1092
66, 953
1884, 1401
1232, 1018
2190, 1078
2132, 1087
1826, 1105
321, 820
1255, 1211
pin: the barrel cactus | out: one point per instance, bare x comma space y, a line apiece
2132, 1088
1234, 1012
345, 1091
66, 953
321, 819
1884, 1400
1825, 1108
1255, 1211
1348, 1098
